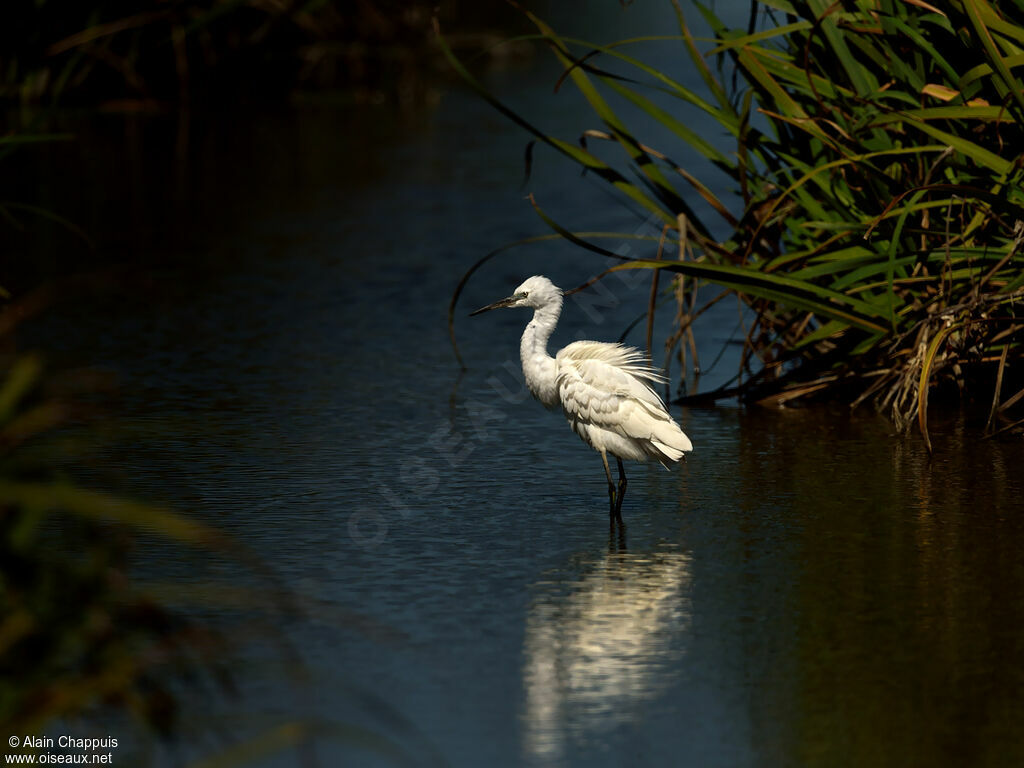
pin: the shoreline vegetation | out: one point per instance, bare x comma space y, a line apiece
874, 149
132, 56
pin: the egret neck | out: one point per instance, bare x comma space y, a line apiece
539, 367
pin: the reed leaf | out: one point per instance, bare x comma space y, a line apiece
660, 185
573, 152
784, 290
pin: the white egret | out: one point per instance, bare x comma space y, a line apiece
604, 389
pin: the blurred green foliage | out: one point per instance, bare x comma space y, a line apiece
127, 51
77, 637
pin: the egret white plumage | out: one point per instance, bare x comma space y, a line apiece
603, 389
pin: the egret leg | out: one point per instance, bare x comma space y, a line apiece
622, 489
611, 486
616, 537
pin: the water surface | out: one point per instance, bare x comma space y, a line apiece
807, 589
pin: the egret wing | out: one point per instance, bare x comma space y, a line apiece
595, 377
607, 387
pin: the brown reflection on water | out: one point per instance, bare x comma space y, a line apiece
900, 639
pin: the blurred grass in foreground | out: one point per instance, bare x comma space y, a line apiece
77, 637
85, 644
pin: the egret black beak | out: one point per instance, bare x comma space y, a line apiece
507, 302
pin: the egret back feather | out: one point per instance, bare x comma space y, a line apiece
606, 394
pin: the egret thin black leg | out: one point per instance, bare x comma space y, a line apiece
612, 509
622, 490
616, 537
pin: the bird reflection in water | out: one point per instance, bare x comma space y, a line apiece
599, 647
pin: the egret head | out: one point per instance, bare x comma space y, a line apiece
536, 292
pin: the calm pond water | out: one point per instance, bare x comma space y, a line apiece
808, 589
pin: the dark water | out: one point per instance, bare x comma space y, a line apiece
808, 589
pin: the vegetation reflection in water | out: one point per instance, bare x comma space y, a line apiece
889, 631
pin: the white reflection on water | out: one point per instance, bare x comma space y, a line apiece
599, 647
